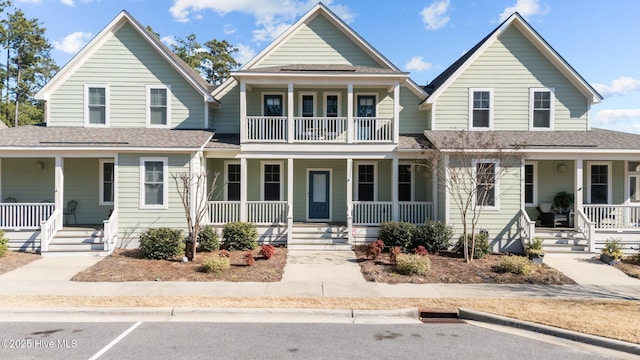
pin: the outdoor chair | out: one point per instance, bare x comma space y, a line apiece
71, 210
10, 200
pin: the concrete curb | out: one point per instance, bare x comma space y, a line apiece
612, 344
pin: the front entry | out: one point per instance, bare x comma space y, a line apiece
319, 195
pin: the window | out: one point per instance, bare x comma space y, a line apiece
332, 105
307, 105
106, 182
158, 105
272, 105
541, 105
96, 97
486, 186
233, 182
366, 106
481, 105
633, 184
153, 189
530, 179
366, 188
599, 180
272, 184
404, 182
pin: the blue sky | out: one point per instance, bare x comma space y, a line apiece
600, 40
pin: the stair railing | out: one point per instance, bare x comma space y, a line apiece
527, 228
49, 228
110, 231
587, 228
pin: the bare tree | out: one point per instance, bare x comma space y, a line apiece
195, 209
470, 167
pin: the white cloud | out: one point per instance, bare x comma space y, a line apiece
270, 30
244, 54
620, 86
625, 120
229, 29
68, 2
29, 1
526, 8
73, 42
169, 40
435, 15
417, 63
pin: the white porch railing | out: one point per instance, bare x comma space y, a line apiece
527, 228
586, 227
320, 129
370, 129
416, 212
372, 213
267, 212
222, 212
23, 216
266, 129
613, 217
110, 231
48, 229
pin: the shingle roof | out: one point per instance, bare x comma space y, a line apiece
92, 138
587, 140
412, 142
322, 68
224, 141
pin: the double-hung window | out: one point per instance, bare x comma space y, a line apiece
530, 180
486, 184
233, 182
107, 181
153, 183
271, 181
404, 182
273, 105
158, 106
96, 98
307, 105
366, 187
599, 182
541, 108
480, 108
332, 105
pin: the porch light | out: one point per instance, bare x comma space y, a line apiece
40, 165
561, 167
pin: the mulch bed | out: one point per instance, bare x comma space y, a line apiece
15, 259
128, 265
630, 265
448, 267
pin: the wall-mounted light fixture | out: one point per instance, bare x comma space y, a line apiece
561, 167
40, 165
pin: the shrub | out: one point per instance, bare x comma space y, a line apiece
613, 247
518, 265
435, 236
224, 253
420, 250
481, 249
393, 255
374, 249
397, 233
161, 243
4, 244
239, 236
267, 251
248, 258
216, 264
208, 239
534, 247
412, 264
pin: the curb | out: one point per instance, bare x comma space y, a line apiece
612, 344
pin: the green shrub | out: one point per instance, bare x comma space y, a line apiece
397, 233
208, 239
161, 243
614, 248
412, 264
216, 264
534, 247
239, 236
518, 265
4, 243
481, 249
435, 236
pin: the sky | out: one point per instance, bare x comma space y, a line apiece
601, 40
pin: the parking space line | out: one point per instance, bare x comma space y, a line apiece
115, 341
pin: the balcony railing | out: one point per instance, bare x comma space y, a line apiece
274, 129
24, 215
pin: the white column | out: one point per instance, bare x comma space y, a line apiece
350, 200
522, 179
289, 200
59, 185
350, 128
396, 113
434, 188
290, 113
116, 184
579, 181
243, 190
243, 112
394, 189
446, 189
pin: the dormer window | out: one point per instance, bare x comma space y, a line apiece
541, 108
480, 108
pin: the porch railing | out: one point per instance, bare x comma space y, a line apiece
372, 212
110, 231
267, 129
48, 229
416, 212
320, 129
370, 129
258, 212
613, 217
586, 227
527, 228
222, 212
23, 216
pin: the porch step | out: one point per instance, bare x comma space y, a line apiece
319, 236
563, 241
80, 241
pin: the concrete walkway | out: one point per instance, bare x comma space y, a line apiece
585, 269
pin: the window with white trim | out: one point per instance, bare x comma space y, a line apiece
96, 98
271, 181
366, 185
541, 108
486, 183
153, 183
307, 104
107, 176
158, 105
480, 108
332, 104
530, 184
233, 187
273, 105
633, 181
405, 182
599, 183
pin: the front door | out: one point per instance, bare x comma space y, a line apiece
319, 194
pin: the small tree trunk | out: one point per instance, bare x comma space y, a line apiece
17, 112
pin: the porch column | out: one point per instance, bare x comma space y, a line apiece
434, 188
289, 200
290, 113
59, 184
243, 112
394, 189
350, 200
396, 113
447, 220
243, 190
350, 128
579, 181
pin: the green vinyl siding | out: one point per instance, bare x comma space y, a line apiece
521, 67
126, 63
132, 219
226, 119
338, 189
25, 181
318, 42
412, 120
82, 184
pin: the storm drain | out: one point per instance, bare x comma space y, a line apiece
440, 316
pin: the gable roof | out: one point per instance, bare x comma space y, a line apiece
188, 73
442, 81
322, 10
